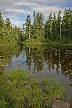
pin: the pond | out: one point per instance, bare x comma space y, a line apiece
44, 61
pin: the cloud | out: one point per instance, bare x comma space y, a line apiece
14, 20
24, 7
16, 11
46, 10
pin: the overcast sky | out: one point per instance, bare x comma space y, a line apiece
17, 10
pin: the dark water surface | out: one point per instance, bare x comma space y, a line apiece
46, 62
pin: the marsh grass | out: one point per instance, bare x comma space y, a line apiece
19, 90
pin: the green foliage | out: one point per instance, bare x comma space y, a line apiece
52, 27
2, 64
37, 27
50, 31
13, 89
9, 36
1, 25
33, 41
28, 27
38, 30
52, 88
18, 89
3, 104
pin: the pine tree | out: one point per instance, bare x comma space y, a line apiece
58, 24
8, 23
49, 27
67, 23
1, 24
28, 27
54, 24
38, 31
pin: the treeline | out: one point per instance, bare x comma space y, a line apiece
8, 33
59, 27
55, 28
9, 42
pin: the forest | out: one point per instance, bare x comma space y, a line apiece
54, 29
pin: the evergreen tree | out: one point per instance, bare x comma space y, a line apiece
49, 27
54, 25
1, 24
67, 24
58, 24
38, 31
8, 23
28, 27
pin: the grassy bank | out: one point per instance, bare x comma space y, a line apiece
33, 41
19, 90
59, 41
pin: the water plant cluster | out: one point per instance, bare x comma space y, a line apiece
19, 90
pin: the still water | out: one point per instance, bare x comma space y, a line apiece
45, 62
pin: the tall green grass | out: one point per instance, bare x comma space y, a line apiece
19, 90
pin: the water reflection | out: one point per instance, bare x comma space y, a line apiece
55, 58
6, 55
35, 58
52, 62
47, 61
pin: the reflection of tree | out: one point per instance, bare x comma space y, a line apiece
57, 56
28, 60
36, 55
28, 57
66, 61
7, 53
38, 64
51, 57
54, 57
